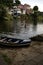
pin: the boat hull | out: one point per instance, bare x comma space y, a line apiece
14, 44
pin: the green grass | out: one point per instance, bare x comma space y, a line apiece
7, 59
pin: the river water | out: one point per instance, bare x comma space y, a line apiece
30, 31
22, 32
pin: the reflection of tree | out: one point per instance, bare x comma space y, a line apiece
35, 18
16, 25
34, 27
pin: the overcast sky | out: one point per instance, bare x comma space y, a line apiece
33, 3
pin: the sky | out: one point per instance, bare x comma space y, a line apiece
33, 3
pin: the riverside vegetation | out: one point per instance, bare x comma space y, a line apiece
6, 19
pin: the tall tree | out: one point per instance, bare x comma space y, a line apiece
35, 10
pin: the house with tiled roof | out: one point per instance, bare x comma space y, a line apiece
25, 8
22, 9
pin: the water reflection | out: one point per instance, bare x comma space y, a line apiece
25, 33
16, 25
29, 31
34, 27
19, 30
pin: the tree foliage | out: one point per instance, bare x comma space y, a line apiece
2, 16
17, 2
2, 13
35, 8
6, 2
9, 3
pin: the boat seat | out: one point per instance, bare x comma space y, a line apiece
26, 41
2, 40
20, 41
14, 40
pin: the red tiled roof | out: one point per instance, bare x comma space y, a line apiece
26, 5
23, 6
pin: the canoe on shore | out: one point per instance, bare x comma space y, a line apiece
7, 41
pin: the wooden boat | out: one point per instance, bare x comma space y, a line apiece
7, 41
